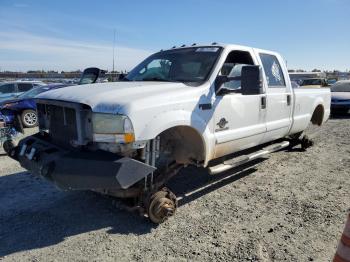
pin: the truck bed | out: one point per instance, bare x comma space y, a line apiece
305, 102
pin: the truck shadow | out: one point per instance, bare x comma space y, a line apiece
35, 214
193, 183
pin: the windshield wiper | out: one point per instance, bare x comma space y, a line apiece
156, 79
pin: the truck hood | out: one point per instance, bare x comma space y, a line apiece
118, 96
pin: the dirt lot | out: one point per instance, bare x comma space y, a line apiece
290, 207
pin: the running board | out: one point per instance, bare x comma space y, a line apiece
237, 161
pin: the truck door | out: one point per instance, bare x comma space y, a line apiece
278, 97
239, 120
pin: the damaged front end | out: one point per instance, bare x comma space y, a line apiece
65, 153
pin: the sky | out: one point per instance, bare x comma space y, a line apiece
72, 35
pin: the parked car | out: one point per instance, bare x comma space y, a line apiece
24, 105
12, 89
331, 81
314, 82
340, 102
183, 106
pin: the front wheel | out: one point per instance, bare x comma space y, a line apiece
29, 118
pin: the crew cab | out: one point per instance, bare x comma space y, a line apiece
198, 105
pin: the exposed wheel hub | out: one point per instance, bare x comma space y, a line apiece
162, 205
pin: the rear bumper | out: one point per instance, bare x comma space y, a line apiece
77, 170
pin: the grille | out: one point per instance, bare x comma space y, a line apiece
68, 124
63, 125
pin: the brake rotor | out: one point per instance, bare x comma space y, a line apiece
162, 205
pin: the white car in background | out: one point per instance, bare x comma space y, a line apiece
9, 90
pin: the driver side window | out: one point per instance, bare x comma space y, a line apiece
232, 67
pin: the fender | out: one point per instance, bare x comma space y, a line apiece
171, 119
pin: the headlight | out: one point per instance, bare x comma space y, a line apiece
110, 128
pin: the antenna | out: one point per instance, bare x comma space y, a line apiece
113, 52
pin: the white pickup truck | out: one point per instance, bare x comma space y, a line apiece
179, 107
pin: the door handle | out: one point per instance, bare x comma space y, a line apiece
289, 99
263, 102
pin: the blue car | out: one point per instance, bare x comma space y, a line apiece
24, 105
340, 103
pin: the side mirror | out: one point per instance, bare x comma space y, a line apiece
219, 81
250, 80
90, 75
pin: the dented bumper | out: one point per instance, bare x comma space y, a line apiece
78, 170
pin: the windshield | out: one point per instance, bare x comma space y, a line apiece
341, 87
33, 92
179, 65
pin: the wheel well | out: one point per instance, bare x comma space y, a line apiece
183, 144
317, 116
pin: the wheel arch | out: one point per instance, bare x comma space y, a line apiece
186, 126
318, 115
187, 144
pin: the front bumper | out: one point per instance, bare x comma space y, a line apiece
78, 170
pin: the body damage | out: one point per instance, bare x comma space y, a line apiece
152, 107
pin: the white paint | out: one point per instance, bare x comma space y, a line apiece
156, 106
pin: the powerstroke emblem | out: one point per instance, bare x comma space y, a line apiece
222, 125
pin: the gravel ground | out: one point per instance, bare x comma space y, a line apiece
289, 207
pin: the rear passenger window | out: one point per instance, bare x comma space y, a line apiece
273, 71
7, 88
23, 87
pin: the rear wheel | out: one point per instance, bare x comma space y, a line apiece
29, 118
305, 138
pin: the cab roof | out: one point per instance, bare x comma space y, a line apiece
222, 45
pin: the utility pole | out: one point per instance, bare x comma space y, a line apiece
113, 78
